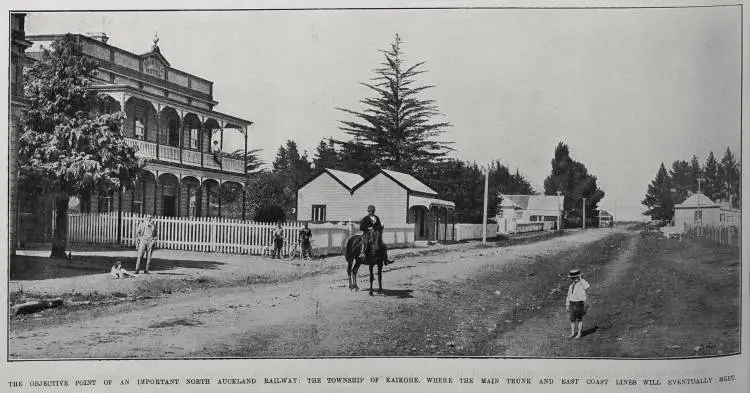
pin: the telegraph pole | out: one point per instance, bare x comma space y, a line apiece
584, 213
559, 212
484, 215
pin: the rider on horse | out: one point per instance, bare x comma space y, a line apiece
369, 224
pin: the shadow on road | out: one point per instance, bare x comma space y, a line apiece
398, 293
588, 331
41, 268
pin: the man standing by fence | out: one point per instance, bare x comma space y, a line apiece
146, 237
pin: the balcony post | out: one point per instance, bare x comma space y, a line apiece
158, 128
244, 186
182, 133
200, 137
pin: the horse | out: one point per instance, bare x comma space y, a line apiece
374, 256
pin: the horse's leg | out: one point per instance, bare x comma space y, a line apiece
372, 278
380, 276
354, 275
349, 272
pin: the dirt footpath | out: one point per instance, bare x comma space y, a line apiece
313, 316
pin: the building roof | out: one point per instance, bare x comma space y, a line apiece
604, 213
550, 203
348, 180
429, 202
409, 182
696, 200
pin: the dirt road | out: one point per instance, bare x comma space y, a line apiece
315, 316
495, 301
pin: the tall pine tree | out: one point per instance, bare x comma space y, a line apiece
729, 175
396, 130
712, 186
660, 196
572, 179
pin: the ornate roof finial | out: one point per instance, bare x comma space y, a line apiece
155, 47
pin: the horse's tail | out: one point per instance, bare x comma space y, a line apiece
351, 248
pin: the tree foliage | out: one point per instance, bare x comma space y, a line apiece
254, 163
66, 147
396, 130
720, 183
572, 179
463, 183
660, 197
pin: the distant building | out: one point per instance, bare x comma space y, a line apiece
18, 45
399, 199
525, 209
605, 219
699, 209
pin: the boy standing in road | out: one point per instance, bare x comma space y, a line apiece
575, 303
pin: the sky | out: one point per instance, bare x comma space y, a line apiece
626, 89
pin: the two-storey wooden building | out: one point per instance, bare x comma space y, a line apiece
172, 122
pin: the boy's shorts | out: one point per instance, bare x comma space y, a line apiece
576, 311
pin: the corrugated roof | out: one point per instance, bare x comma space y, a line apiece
410, 182
697, 199
349, 179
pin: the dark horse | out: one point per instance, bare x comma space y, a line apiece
374, 256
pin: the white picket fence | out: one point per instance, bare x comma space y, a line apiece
220, 235
205, 234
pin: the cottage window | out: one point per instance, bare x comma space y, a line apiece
533, 219
519, 214
318, 213
722, 217
698, 216
193, 138
140, 129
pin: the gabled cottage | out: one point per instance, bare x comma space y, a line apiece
400, 199
700, 209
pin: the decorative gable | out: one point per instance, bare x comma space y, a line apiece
155, 65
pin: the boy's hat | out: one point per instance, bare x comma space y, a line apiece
574, 273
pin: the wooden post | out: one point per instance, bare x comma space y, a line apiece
119, 215
244, 187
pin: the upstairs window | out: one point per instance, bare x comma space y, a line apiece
140, 129
194, 138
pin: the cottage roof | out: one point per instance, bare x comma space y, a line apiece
349, 180
409, 182
604, 213
695, 200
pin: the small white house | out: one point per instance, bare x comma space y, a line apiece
400, 199
605, 219
699, 209
526, 209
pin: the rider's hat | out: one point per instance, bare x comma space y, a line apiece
574, 273
371, 208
